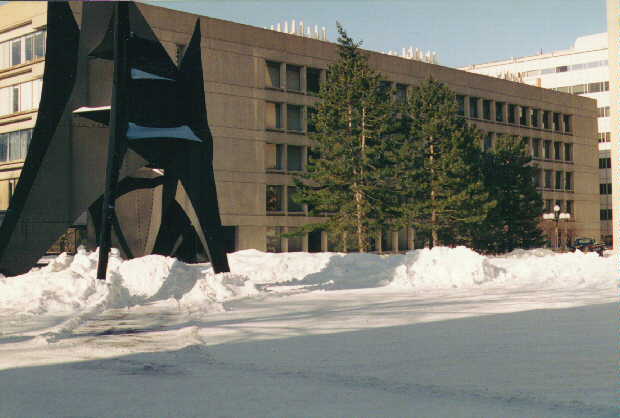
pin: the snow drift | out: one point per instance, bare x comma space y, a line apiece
68, 284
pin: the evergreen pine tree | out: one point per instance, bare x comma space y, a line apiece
514, 222
346, 177
441, 182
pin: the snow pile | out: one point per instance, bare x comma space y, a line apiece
69, 284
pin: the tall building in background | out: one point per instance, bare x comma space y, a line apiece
581, 70
613, 31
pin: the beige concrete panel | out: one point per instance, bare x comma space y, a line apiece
252, 237
232, 111
238, 155
232, 68
241, 198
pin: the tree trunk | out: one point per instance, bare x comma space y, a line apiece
434, 234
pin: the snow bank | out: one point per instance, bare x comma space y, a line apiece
68, 284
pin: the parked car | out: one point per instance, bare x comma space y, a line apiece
588, 245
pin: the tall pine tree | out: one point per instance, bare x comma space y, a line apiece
442, 191
346, 177
513, 223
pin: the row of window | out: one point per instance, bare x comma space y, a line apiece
604, 163
561, 180
586, 88
606, 215
295, 119
605, 188
23, 49
566, 207
604, 136
565, 68
279, 199
549, 150
284, 158
291, 77
603, 112
389, 241
20, 97
515, 114
14, 145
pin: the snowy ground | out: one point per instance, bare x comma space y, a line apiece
440, 333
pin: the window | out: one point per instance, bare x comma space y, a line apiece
547, 150
460, 101
546, 119
569, 181
14, 145
603, 112
39, 45
29, 48
275, 198
559, 184
548, 205
273, 74
274, 156
568, 152
313, 80
294, 118
604, 162
598, 87
488, 141
557, 150
293, 77
578, 89
511, 113
535, 115
570, 206
548, 179
523, 117
274, 239
20, 97
561, 69
604, 136
401, 93
526, 144
292, 205
605, 188
536, 147
273, 115
294, 158
310, 119
16, 52
536, 178
499, 111
473, 107
568, 127
556, 121
606, 215
486, 109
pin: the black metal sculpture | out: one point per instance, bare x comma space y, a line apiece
159, 144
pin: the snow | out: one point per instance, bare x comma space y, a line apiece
431, 333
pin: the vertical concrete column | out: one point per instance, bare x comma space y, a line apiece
505, 111
493, 110
539, 119
561, 122
466, 106
282, 75
284, 241
283, 115
324, 242
304, 243
303, 78
410, 238
394, 238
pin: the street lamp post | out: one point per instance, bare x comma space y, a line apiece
556, 216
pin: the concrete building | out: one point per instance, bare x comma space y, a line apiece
260, 86
613, 31
581, 70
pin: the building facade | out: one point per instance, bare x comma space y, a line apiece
581, 70
613, 32
261, 86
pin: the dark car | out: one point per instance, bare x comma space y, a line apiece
588, 245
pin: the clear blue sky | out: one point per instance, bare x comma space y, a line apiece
462, 32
